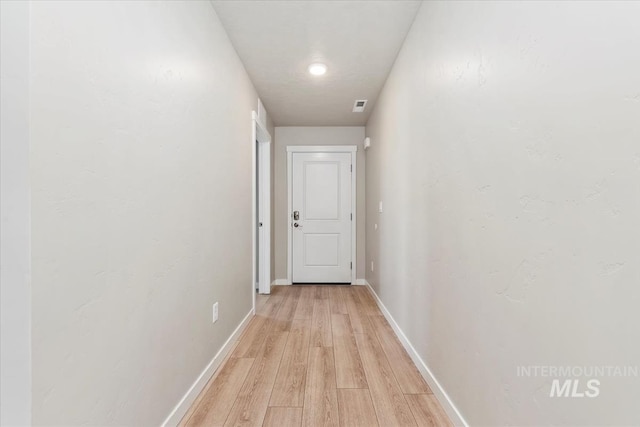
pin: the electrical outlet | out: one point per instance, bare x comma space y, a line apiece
380, 207
215, 312
371, 265
375, 226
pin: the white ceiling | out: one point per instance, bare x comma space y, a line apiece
277, 40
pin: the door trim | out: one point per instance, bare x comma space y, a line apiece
320, 149
261, 136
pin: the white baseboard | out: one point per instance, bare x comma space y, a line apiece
190, 396
438, 391
284, 282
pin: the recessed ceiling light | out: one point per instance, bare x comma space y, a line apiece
317, 69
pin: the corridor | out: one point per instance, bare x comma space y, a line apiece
317, 356
319, 212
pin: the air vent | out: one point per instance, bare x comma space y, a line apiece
358, 106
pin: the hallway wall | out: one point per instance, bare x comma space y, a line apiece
311, 135
141, 199
504, 147
15, 216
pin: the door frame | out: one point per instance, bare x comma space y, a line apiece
261, 137
320, 149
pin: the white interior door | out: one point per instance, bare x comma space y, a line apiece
264, 218
261, 221
321, 217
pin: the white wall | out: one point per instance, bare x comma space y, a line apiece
141, 199
328, 135
505, 148
15, 268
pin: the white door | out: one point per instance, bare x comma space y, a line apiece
261, 207
263, 169
321, 217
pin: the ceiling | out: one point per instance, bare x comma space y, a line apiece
278, 40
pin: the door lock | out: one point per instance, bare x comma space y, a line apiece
296, 215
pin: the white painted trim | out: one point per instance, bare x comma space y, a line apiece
254, 237
282, 282
354, 211
289, 204
436, 387
265, 216
261, 136
322, 149
196, 388
361, 282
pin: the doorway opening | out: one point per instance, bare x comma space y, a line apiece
322, 214
261, 215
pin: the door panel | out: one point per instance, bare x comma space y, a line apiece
321, 190
322, 197
321, 249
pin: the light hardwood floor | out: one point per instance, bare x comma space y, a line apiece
317, 356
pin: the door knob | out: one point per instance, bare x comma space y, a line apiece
296, 225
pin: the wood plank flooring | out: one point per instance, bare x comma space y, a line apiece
317, 356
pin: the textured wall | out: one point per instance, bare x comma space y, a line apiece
329, 135
141, 179
505, 150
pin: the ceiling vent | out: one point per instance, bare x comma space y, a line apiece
358, 106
